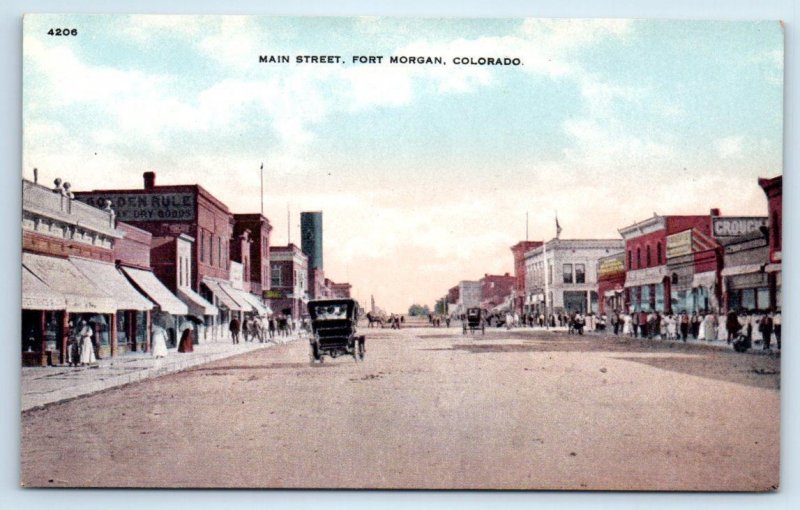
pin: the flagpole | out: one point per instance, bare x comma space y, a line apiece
262, 188
546, 287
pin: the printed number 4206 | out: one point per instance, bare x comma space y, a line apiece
63, 31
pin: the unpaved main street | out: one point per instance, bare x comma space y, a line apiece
429, 408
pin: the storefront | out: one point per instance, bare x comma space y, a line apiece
167, 303
746, 283
202, 310
83, 300
645, 289
227, 306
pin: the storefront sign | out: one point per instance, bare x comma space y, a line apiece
732, 227
611, 266
648, 276
147, 206
273, 294
679, 244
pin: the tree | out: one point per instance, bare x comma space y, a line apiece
418, 310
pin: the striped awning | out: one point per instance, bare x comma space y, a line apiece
156, 291
63, 277
36, 295
108, 277
223, 298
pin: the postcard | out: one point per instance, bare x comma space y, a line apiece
401, 253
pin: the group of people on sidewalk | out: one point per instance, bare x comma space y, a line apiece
703, 326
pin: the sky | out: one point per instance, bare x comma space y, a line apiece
424, 173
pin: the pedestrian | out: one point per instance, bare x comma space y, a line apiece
695, 325
767, 326
158, 342
259, 329
732, 325
684, 325
271, 326
186, 343
776, 325
234, 328
87, 348
635, 321
615, 319
627, 325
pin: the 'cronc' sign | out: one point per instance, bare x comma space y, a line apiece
134, 207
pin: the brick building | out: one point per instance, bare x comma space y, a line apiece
773, 188
289, 280
171, 211
518, 251
257, 226
496, 289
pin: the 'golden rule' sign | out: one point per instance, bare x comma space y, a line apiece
146, 206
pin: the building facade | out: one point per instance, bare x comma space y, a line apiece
69, 275
259, 229
518, 251
469, 296
611, 282
289, 281
773, 188
562, 275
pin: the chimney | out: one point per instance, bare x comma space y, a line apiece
715, 212
149, 180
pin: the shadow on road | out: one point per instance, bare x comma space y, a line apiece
754, 370
220, 370
749, 372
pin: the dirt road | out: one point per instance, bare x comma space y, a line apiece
429, 408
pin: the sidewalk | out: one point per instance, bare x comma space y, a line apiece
46, 385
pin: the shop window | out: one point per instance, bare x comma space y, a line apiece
580, 273
749, 299
646, 296
658, 254
674, 279
567, 273
762, 298
659, 301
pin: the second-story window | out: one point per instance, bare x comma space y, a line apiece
580, 273
658, 254
649, 260
638, 258
567, 273
277, 280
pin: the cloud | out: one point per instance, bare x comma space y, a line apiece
729, 147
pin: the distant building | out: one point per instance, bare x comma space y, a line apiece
469, 296
611, 282
257, 271
496, 289
311, 244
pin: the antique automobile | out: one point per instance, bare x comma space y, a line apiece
333, 329
474, 320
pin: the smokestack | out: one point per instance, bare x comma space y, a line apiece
149, 180
715, 212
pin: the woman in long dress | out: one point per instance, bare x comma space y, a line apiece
186, 343
87, 349
627, 325
672, 327
159, 342
710, 330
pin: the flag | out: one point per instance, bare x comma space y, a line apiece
558, 228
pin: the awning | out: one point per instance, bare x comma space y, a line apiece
649, 276
196, 303
38, 296
157, 291
772, 268
108, 277
222, 297
743, 269
612, 293
707, 279
261, 309
62, 276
